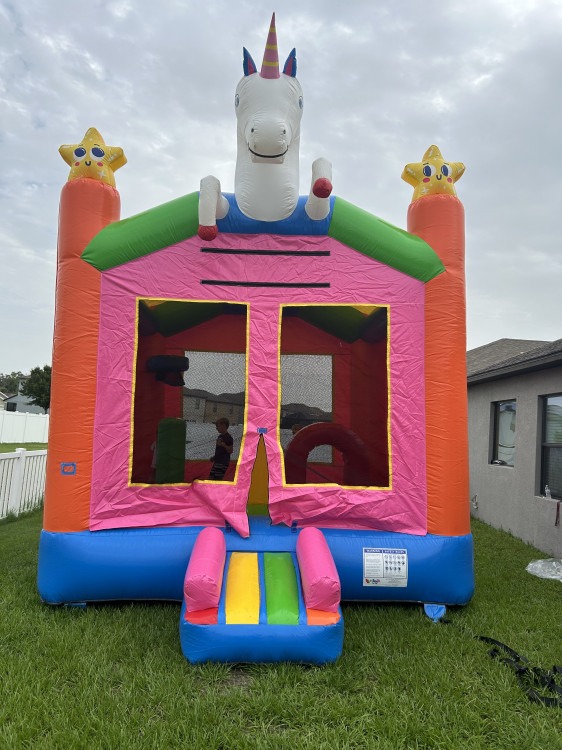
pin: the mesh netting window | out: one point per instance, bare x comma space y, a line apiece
216, 390
306, 397
190, 372
334, 388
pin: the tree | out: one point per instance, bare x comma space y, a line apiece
9, 383
37, 386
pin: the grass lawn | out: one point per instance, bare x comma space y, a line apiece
10, 447
113, 676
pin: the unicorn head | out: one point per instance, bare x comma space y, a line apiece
269, 108
266, 185
269, 104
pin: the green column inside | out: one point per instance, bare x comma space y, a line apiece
170, 451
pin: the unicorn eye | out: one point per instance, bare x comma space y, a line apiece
301, 103
428, 170
80, 152
236, 100
445, 170
98, 152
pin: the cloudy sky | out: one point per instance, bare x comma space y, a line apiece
382, 80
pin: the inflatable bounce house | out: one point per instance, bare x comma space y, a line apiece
188, 340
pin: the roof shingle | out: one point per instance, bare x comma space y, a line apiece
508, 357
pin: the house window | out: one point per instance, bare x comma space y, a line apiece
503, 449
11, 406
551, 463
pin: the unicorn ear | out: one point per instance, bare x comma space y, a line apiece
290, 68
249, 65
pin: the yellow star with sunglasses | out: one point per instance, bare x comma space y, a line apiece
433, 175
93, 159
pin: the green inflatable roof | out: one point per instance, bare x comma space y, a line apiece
177, 220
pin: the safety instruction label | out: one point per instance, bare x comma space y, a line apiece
385, 567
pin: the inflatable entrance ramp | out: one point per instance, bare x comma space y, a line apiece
241, 606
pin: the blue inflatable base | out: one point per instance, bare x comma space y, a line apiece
145, 564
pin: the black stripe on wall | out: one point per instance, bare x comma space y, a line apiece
267, 284
220, 251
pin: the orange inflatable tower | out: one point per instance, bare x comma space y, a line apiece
89, 201
437, 216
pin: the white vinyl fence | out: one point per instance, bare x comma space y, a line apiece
17, 427
22, 481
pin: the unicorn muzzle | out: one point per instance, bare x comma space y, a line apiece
268, 142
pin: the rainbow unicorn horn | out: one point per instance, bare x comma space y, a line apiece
270, 64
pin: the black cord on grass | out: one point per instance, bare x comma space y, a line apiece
529, 678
